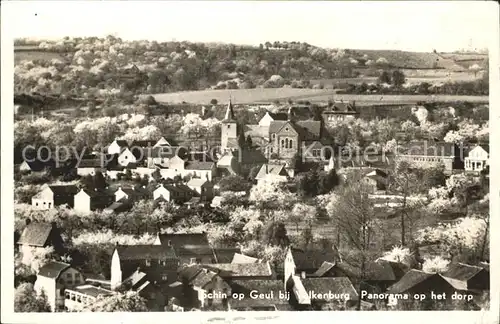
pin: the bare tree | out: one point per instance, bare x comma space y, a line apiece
353, 215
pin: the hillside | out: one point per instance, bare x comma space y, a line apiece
412, 60
111, 67
268, 96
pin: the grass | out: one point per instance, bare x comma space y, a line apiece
268, 96
29, 55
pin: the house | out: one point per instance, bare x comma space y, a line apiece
225, 254
258, 295
131, 155
322, 293
241, 258
133, 194
272, 172
87, 201
198, 169
420, 282
203, 288
117, 146
91, 166
37, 235
377, 277
230, 130
54, 195
162, 142
467, 277
159, 156
35, 165
237, 161
478, 158
182, 239
202, 187
340, 110
53, 278
194, 248
117, 207
291, 137
426, 154
376, 180
79, 297
173, 193
298, 261
242, 271
159, 262
269, 117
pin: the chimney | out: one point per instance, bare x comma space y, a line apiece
138, 268
303, 275
28, 221
169, 243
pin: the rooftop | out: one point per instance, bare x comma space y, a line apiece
143, 252
53, 269
35, 234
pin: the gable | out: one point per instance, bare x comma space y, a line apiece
287, 129
478, 152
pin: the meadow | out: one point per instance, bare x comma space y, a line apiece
268, 96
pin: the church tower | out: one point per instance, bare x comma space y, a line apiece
229, 130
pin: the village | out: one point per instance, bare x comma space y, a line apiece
183, 271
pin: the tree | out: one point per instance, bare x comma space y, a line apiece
398, 78
118, 302
352, 213
234, 183
26, 300
249, 143
275, 234
385, 77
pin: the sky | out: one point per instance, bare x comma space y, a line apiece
414, 26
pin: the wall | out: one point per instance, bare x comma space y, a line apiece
48, 285
82, 202
116, 273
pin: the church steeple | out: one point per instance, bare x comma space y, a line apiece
229, 117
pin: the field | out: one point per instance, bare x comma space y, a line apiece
412, 60
30, 55
412, 76
268, 96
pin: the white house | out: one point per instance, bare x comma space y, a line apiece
269, 117
126, 157
87, 201
272, 172
162, 142
202, 187
477, 159
51, 196
117, 146
53, 279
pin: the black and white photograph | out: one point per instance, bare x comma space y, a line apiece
239, 156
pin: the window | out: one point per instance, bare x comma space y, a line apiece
271, 150
44, 202
228, 126
164, 277
286, 129
36, 204
192, 260
291, 146
61, 292
286, 142
162, 262
282, 143
273, 136
148, 263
